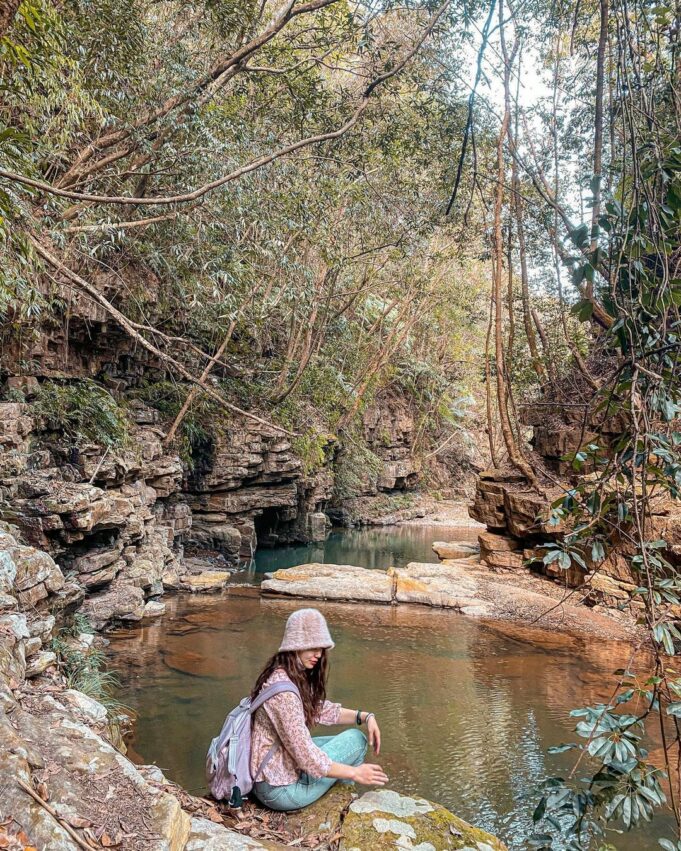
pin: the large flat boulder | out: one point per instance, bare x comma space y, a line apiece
460, 585
332, 582
383, 819
454, 549
206, 835
447, 585
209, 581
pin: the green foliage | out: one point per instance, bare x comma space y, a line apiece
83, 412
356, 471
313, 449
615, 503
85, 670
306, 244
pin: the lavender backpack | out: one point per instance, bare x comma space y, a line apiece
228, 763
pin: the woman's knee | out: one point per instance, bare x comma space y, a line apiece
356, 742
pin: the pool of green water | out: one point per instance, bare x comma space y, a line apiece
378, 547
467, 709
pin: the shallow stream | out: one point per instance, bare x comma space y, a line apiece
467, 709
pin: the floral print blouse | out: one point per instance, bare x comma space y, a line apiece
281, 720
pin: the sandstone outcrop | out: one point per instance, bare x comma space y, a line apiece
100, 516
116, 522
378, 819
459, 585
383, 819
518, 517
454, 550
332, 582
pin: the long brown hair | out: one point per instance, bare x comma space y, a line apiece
311, 683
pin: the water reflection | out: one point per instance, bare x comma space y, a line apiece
467, 709
376, 547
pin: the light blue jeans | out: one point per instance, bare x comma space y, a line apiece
348, 747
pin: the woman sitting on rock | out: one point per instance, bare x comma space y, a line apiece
296, 769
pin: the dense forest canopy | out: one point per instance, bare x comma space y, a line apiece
289, 208
321, 264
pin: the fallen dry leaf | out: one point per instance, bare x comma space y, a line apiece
77, 821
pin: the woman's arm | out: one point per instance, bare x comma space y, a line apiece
349, 716
366, 774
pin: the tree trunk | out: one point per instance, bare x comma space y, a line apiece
514, 453
537, 364
598, 140
488, 388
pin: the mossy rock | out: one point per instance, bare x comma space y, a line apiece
325, 815
383, 820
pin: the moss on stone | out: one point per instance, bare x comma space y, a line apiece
324, 816
368, 826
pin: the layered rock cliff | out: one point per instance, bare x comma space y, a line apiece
519, 518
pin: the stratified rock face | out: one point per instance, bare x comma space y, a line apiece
518, 523
501, 551
100, 515
519, 516
517, 519
389, 432
250, 489
383, 820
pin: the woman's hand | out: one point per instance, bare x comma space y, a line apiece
374, 734
370, 775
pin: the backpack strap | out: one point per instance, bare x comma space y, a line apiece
268, 756
266, 694
271, 691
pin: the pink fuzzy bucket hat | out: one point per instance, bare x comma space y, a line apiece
306, 629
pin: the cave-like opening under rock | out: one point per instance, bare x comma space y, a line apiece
271, 527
